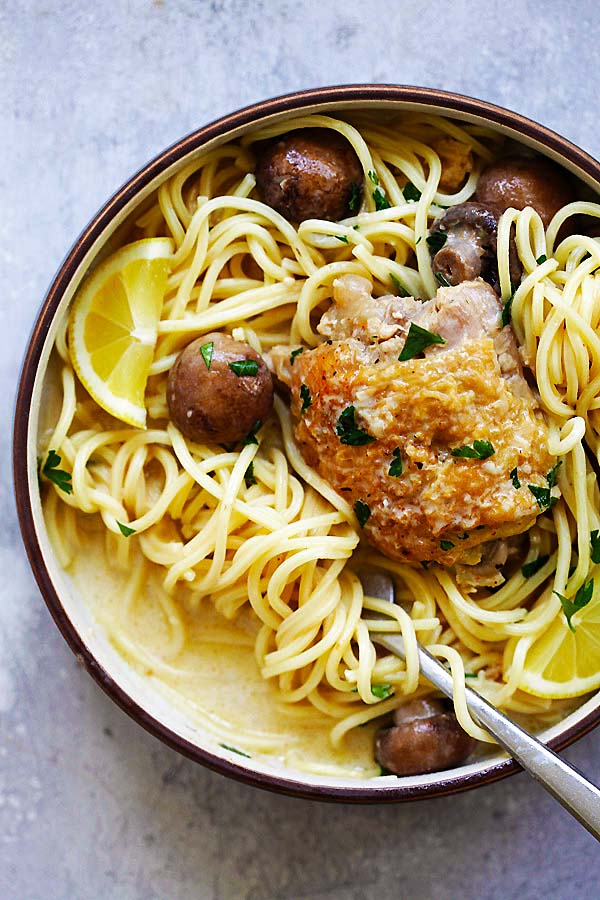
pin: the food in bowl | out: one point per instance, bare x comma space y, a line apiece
327, 345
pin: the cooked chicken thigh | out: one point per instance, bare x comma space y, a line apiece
383, 432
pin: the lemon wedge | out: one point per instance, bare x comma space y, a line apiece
563, 663
113, 326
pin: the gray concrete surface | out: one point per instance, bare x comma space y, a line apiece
91, 806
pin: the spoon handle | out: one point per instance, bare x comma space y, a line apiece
576, 793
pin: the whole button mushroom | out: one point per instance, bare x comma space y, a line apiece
311, 173
424, 738
521, 181
218, 389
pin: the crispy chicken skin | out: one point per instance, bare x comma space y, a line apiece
469, 388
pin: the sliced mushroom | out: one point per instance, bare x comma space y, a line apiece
425, 738
470, 246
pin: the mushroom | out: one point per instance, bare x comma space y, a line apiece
311, 173
465, 246
424, 738
218, 389
520, 181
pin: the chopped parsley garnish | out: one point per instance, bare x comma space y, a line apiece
294, 354
57, 476
470, 674
418, 241
348, 432
515, 478
541, 259
206, 351
354, 200
235, 750
441, 279
249, 478
363, 512
552, 476
374, 178
251, 436
125, 530
381, 201
395, 468
437, 240
534, 566
411, 192
506, 311
446, 545
243, 367
595, 539
400, 289
305, 397
479, 450
417, 340
382, 691
544, 498
581, 599
356, 227
340, 237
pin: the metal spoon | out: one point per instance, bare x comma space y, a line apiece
572, 790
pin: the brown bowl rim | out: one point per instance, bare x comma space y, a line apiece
254, 113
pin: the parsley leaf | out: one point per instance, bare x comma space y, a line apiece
347, 430
382, 691
381, 201
437, 240
541, 259
294, 354
251, 436
479, 450
418, 241
400, 289
374, 178
515, 478
446, 545
595, 539
411, 192
243, 367
470, 674
207, 353
534, 566
544, 498
57, 476
363, 513
417, 340
354, 199
395, 468
125, 530
249, 478
235, 750
441, 279
552, 476
581, 599
305, 397
340, 237
506, 311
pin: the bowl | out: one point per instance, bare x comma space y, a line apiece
116, 677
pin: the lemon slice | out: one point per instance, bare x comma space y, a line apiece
113, 326
561, 663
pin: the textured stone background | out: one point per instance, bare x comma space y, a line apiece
91, 806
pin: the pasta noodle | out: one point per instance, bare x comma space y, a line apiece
276, 560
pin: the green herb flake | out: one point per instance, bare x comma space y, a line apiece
417, 340
530, 568
305, 397
374, 178
382, 691
506, 311
552, 476
243, 367
395, 468
340, 237
470, 674
294, 354
581, 599
400, 289
544, 498
441, 279
479, 450
363, 513
437, 240
381, 201
356, 227
541, 259
125, 530
411, 192
206, 351
354, 199
418, 241
514, 477
57, 476
235, 750
251, 436
446, 545
347, 430
249, 478
595, 539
